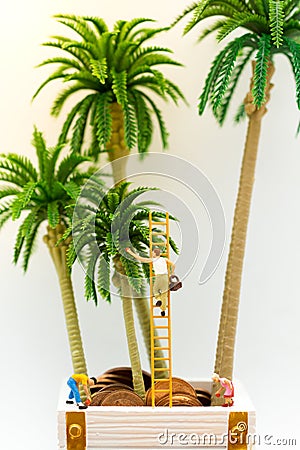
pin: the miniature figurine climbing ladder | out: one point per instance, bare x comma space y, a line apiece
159, 322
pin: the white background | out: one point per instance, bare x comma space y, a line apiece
33, 344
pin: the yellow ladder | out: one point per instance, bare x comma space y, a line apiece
159, 322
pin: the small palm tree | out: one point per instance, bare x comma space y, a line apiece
270, 27
104, 224
117, 76
45, 195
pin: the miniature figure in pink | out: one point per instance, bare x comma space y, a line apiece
229, 389
161, 276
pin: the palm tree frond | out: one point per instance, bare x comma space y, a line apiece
223, 77
22, 200
53, 214
221, 111
261, 68
103, 118
240, 114
80, 124
294, 48
276, 11
104, 278
242, 19
119, 87
99, 69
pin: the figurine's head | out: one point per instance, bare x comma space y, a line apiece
92, 381
156, 253
215, 377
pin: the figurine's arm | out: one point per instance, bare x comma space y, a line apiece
87, 392
219, 390
218, 393
172, 266
138, 257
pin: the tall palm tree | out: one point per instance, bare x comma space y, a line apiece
104, 224
270, 27
117, 76
45, 195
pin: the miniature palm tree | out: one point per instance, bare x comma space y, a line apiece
104, 225
45, 195
271, 27
117, 76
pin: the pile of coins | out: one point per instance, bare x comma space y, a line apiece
116, 395
183, 394
115, 388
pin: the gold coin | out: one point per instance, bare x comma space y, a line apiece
203, 399
178, 385
99, 396
123, 375
179, 399
122, 398
203, 392
185, 400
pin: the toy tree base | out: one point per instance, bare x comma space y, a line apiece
121, 427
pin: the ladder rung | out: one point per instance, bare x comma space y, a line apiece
158, 223
164, 254
160, 317
161, 348
162, 379
161, 337
161, 359
159, 233
162, 369
159, 243
161, 390
160, 326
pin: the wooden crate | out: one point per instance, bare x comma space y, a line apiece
105, 427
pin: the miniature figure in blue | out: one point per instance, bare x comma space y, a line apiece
73, 383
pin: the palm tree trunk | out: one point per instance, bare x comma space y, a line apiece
58, 255
229, 314
116, 146
137, 376
117, 149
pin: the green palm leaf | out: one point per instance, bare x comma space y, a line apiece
30, 245
46, 194
99, 69
68, 165
221, 111
241, 19
260, 73
294, 48
276, 21
80, 125
53, 214
22, 199
274, 27
119, 87
89, 283
103, 119
104, 278
111, 65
